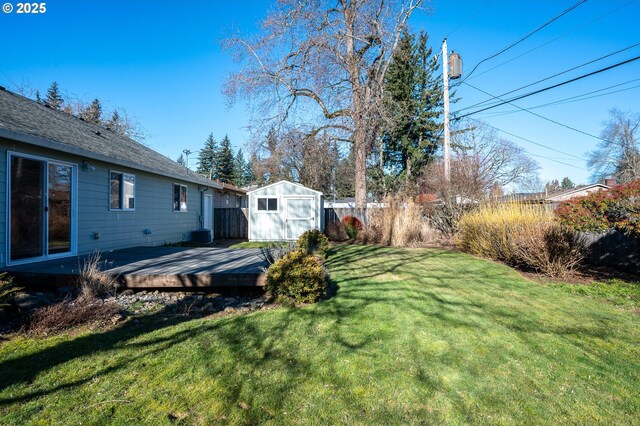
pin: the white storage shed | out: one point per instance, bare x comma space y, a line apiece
283, 211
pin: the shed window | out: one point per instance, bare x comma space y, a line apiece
179, 198
267, 204
122, 191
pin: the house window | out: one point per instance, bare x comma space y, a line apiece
179, 198
122, 191
267, 204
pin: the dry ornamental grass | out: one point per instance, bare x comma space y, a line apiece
521, 234
400, 224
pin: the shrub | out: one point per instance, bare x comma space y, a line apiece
85, 309
400, 223
314, 242
550, 249
336, 231
445, 216
92, 281
298, 277
521, 235
352, 225
618, 208
276, 251
7, 291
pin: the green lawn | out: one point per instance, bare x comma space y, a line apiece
413, 336
256, 244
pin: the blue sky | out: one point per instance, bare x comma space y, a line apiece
162, 61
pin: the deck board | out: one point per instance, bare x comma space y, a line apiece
158, 267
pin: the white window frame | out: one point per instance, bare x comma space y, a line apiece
122, 207
267, 211
186, 195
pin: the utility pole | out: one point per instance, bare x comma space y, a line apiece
186, 153
454, 72
447, 135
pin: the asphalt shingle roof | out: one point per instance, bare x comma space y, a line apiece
25, 120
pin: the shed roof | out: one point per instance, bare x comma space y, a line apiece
25, 120
281, 182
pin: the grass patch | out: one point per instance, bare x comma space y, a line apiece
412, 336
257, 244
614, 291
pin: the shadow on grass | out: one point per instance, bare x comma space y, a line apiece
257, 345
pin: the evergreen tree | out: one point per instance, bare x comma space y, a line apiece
255, 170
225, 161
208, 158
38, 98
249, 176
552, 186
92, 113
54, 98
567, 183
180, 160
239, 169
115, 123
413, 106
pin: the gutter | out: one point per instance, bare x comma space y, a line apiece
70, 149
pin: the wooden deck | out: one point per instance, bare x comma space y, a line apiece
154, 267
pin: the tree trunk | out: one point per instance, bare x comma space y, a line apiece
360, 148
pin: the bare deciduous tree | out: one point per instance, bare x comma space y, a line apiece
618, 154
483, 159
323, 63
295, 155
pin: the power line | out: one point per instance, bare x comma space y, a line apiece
577, 98
556, 161
538, 115
526, 36
528, 140
555, 39
535, 92
555, 75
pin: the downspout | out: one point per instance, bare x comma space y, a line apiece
202, 191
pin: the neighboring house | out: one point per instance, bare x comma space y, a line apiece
556, 196
230, 196
69, 187
283, 211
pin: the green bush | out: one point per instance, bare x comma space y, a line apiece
352, 225
7, 291
314, 242
298, 276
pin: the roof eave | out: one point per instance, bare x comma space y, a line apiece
60, 146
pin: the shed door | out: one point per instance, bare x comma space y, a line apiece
300, 216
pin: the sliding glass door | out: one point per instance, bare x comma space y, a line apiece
40, 208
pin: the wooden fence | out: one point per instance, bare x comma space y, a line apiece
332, 214
613, 248
230, 224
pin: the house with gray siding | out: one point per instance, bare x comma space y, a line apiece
69, 187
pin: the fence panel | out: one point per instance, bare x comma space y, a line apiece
613, 248
231, 224
332, 214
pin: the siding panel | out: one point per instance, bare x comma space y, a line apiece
117, 229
